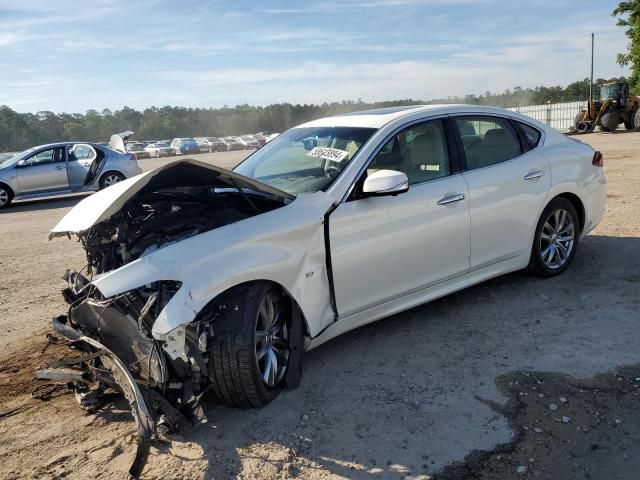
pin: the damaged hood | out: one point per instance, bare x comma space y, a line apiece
105, 203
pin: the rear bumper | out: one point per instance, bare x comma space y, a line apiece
595, 203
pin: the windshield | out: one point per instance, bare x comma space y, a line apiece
608, 91
5, 158
305, 159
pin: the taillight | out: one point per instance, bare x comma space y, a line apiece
598, 160
133, 157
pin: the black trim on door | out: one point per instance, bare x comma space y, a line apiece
457, 140
456, 153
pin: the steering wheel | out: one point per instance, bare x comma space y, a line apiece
331, 171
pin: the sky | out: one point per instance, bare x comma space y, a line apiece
75, 55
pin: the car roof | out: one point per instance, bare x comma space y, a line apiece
64, 144
379, 117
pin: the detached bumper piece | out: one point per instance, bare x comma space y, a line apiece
90, 373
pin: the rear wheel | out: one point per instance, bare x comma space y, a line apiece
556, 239
6, 196
610, 121
249, 362
630, 123
110, 178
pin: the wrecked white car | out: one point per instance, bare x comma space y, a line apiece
202, 279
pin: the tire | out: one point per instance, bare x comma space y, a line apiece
110, 178
553, 248
6, 196
610, 121
630, 123
577, 119
636, 119
237, 371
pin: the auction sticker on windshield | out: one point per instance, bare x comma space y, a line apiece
327, 153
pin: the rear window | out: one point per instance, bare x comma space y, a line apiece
531, 135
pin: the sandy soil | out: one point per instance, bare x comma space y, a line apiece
403, 398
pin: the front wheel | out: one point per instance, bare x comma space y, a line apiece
249, 365
110, 178
609, 121
5, 197
556, 239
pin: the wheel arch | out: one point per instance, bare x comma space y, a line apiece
111, 170
8, 188
227, 292
577, 204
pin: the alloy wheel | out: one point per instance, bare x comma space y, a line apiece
4, 197
111, 180
272, 344
557, 239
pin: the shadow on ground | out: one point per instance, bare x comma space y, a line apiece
43, 204
401, 397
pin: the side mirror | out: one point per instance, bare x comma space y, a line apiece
310, 143
21, 163
385, 182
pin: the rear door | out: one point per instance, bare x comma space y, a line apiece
80, 158
43, 171
508, 182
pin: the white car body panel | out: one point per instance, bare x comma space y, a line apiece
504, 207
363, 232
373, 241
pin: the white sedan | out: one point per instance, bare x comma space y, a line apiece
203, 278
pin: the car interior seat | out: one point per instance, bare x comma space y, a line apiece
427, 157
497, 146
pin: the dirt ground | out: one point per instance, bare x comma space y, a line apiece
450, 389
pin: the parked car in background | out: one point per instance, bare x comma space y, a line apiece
217, 144
248, 141
261, 139
203, 144
7, 155
160, 149
233, 143
334, 224
139, 149
63, 168
270, 137
184, 146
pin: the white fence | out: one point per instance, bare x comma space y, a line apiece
560, 116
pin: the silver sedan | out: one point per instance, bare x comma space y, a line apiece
63, 168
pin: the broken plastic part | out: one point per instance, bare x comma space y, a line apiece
124, 380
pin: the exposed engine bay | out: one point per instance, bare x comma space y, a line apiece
162, 214
114, 334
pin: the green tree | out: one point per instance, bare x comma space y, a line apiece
628, 15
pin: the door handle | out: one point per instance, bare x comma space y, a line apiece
59, 167
455, 197
536, 174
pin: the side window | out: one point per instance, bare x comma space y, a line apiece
487, 140
532, 135
420, 151
52, 155
81, 152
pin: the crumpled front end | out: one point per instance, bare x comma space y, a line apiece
119, 351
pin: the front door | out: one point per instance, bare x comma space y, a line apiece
383, 248
45, 170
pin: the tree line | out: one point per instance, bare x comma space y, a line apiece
19, 131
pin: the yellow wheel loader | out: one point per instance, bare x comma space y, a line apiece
615, 106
